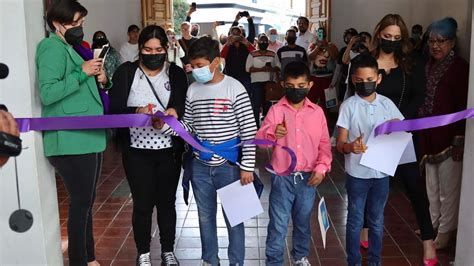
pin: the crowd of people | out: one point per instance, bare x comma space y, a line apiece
217, 87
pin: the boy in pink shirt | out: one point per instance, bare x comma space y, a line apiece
298, 123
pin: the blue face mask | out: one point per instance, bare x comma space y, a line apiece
273, 37
203, 74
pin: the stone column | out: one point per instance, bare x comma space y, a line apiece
465, 237
21, 24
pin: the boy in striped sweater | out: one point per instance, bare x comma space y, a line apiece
219, 115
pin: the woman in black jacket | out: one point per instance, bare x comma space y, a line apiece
404, 82
152, 161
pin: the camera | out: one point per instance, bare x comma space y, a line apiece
9, 145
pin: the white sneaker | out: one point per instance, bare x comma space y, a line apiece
302, 262
144, 259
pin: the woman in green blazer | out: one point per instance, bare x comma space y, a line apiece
68, 87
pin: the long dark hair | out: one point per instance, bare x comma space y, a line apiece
402, 56
152, 32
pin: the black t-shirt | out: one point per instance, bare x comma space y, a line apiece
185, 44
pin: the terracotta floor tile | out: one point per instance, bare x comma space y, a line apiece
114, 237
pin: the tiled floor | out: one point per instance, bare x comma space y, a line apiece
114, 237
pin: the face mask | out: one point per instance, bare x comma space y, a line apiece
365, 89
273, 37
203, 74
296, 95
74, 36
291, 40
195, 32
100, 42
416, 36
389, 46
263, 46
153, 61
352, 54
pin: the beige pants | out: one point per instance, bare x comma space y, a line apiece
443, 184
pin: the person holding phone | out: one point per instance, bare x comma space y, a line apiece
251, 25
113, 59
68, 87
175, 51
235, 53
261, 64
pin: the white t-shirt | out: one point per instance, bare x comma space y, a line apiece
129, 52
141, 94
305, 40
258, 60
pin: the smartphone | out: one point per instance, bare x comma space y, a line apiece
193, 5
268, 64
220, 23
244, 14
104, 51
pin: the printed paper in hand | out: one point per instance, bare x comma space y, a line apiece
240, 203
384, 151
323, 220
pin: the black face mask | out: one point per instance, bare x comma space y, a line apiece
389, 46
195, 33
153, 61
74, 36
365, 89
291, 40
98, 43
263, 46
296, 95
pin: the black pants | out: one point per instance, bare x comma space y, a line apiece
153, 177
257, 95
416, 191
80, 174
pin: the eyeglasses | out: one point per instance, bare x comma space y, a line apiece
438, 42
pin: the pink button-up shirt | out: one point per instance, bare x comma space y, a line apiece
307, 136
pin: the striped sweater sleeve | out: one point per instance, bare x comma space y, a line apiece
186, 122
247, 128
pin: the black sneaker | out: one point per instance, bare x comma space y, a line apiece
144, 259
169, 259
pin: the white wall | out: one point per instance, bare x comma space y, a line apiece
112, 17
22, 22
363, 15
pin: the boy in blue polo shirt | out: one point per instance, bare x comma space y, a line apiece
358, 117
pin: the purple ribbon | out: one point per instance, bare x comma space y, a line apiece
132, 120
423, 123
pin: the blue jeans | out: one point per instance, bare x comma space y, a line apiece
290, 195
205, 181
360, 191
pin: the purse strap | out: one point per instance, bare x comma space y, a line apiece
153, 89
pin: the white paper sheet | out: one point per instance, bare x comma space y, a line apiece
323, 220
409, 155
240, 203
384, 151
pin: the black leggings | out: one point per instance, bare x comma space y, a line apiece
416, 190
80, 174
153, 177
